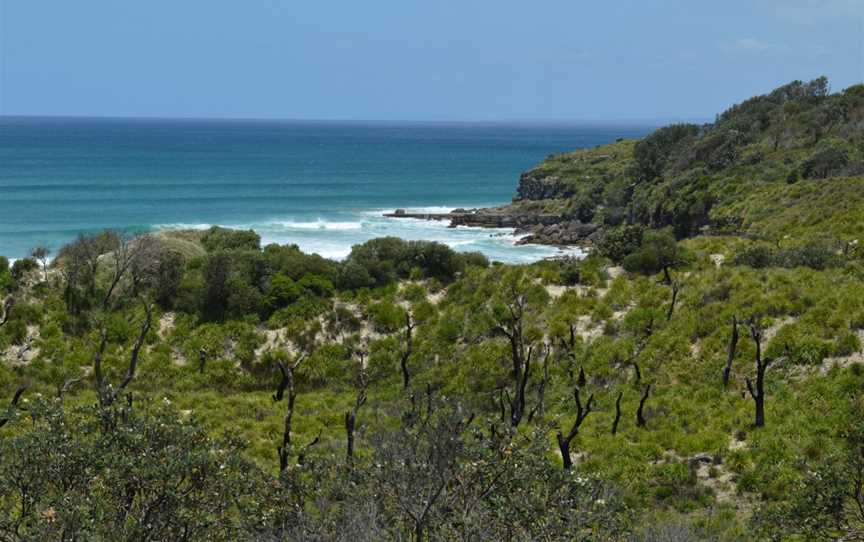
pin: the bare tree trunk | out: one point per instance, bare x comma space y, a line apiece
287, 383
106, 394
202, 360
7, 310
733, 345
351, 416
301, 457
564, 442
541, 388
667, 278
582, 380
640, 418
12, 405
617, 413
403, 362
758, 394
675, 289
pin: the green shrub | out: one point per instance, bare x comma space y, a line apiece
217, 239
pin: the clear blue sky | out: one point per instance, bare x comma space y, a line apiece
417, 59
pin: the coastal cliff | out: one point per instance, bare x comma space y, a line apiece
692, 178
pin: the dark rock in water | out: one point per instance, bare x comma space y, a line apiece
562, 233
545, 229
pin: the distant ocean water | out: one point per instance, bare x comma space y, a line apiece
321, 185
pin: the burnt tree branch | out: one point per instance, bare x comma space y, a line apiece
13, 404
730, 356
640, 417
581, 414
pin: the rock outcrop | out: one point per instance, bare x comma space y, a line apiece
536, 186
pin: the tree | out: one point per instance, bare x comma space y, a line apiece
40, 253
351, 416
659, 252
652, 153
7, 310
125, 258
219, 239
79, 263
758, 393
13, 404
640, 416
730, 356
153, 476
564, 442
511, 309
106, 393
287, 383
216, 271
407, 351
617, 413
676, 287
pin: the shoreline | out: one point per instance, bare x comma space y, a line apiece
532, 228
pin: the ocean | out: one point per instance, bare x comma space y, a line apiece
322, 185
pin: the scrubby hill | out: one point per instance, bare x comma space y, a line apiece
693, 178
199, 386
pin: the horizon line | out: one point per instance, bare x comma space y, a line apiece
648, 122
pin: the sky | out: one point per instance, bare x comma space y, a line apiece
483, 60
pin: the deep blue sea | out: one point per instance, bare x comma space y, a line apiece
321, 185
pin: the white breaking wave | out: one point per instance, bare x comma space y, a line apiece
319, 224
334, 238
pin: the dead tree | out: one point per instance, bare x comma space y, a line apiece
676, 288
7, 310
409, 348
730, 357
287, 383
301, 457
564, 442
67, 385
758, 394
641, 343
351, 415
640, 417
12, 405
582, 380
541, 387
617, 413
511, 326
202, 359
124, 258
108, 394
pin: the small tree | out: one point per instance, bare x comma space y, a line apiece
617, 413
730, 357
659, 252
640, 415
511, 310
286, 383
581, 414
106, 393
13, 404
758, 393
41, 253
351, 415
7, 310
408, 350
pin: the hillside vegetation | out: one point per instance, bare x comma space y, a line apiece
716, 177
698, 376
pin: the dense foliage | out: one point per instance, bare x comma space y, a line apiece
198, 386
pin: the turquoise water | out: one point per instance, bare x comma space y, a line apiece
321, 185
